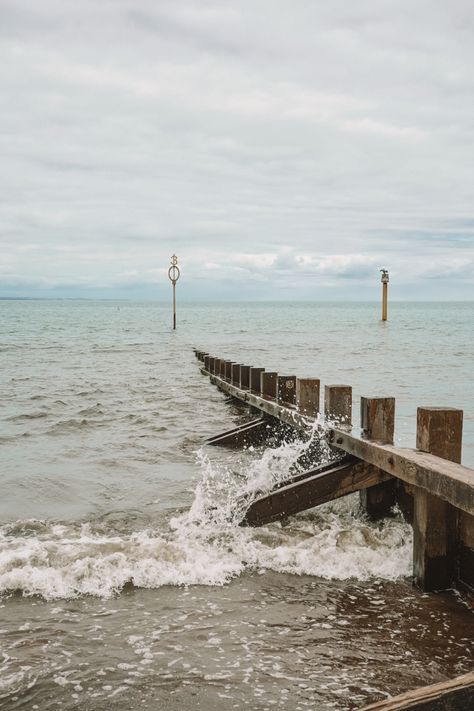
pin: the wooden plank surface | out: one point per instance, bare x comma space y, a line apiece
453, 695
450, 481
316, 488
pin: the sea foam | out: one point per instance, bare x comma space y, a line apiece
205, 545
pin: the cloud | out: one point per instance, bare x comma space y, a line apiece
267, 144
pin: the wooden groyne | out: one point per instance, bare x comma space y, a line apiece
430, 485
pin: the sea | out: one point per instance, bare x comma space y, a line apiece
126, 581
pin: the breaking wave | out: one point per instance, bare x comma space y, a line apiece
205, 545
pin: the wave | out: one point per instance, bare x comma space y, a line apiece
205, 545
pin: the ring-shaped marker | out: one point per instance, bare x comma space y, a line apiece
173, 273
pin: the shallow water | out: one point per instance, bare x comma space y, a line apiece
125, 577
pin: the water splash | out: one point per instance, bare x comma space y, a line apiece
205, 545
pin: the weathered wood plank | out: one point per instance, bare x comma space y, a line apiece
450, 481
316, 488
453, 695
253, 432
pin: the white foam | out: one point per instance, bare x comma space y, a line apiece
205, 546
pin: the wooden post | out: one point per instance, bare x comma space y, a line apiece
245, 377
286, 390
438, 431
377, 420
268, 384
228, 370
217, 366
307, 396
206, 362
212, 361
235, 373
222, 369
255, 380
338, 404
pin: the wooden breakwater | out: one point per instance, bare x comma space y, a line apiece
430, 485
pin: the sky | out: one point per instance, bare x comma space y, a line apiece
283, 150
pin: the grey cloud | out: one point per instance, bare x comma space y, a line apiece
277, 141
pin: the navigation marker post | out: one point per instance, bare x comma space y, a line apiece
384, 280
173, 275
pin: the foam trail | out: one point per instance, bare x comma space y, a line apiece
205, 545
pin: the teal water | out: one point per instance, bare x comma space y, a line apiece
124, 576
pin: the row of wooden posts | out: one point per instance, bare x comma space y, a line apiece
434, 491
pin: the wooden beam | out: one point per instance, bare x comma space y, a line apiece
377, 418
450, 481
250, 433
439, 431
318, 486
453, 695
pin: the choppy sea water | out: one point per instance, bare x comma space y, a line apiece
125, 580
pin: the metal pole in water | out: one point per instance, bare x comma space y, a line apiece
384, 280
173, 275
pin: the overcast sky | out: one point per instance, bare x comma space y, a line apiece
284, 150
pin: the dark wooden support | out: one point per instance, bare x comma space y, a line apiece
338, 404
307, 396
377, 418
222, 369
268, 385
453, 695
318, 486
206, 362
245, 377
212, 361
251, 433
439, 432
255, 380
235, 374
228, 370
286, 390
466, 549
